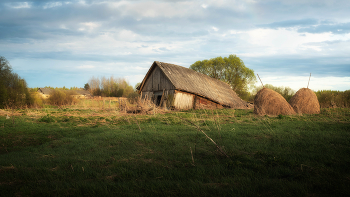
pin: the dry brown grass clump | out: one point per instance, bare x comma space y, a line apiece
269, 102
305, 102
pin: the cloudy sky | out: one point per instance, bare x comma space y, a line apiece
65, 43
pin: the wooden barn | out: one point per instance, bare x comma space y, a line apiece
178, 87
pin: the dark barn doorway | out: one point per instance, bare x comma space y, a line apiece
159, 98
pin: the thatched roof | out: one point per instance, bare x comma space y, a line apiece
188, 80
45, 90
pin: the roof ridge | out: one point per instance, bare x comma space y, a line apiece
198, 73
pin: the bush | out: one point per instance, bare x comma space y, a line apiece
133, 97
244, 95
331, 98
61, 97
37, 100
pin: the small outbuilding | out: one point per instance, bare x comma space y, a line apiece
183, 88
44, 92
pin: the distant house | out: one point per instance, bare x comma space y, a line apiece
182, 88
44, 92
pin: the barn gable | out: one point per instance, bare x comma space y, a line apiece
156, 80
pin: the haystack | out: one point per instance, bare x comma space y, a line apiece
269, 102
305, 102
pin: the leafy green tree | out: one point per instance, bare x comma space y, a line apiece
86, 86
13, 89
137, 85
230, 70
120, 92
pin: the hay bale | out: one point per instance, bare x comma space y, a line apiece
269, 102
305, 102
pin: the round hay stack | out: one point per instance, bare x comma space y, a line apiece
305, 102
269, 102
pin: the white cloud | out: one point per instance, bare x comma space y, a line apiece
283, 41
86, 67
316, 83
152, 9
126, 36
52, 4
88, 26
19, 5
134, 79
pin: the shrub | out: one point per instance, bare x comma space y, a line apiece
133, 97
37, 100
331, 98
244, 95
61, 97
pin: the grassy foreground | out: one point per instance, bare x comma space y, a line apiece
84, 152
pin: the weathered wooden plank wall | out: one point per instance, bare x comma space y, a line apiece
203, 103
157, 81
183, 100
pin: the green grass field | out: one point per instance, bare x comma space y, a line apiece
85, 152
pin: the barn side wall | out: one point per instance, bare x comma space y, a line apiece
168, 97
183, 100
202, 103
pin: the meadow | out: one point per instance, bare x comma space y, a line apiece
95, 149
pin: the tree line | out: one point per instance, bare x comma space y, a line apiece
109, 87
13, 89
